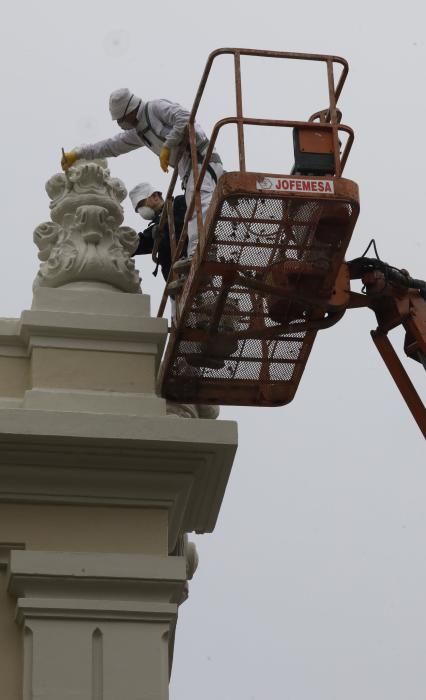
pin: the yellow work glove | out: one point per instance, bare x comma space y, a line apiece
68, 159
164, 158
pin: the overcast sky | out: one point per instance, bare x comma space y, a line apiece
312, 586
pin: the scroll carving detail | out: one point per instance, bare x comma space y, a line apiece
85, 241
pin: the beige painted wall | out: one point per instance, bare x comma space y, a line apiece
60, 368
14, 376
70, 528
74, 528
10, 646
85, 529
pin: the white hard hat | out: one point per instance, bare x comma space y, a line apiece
121, 102
141, 192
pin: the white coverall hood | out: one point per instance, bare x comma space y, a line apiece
122, 102
141, 192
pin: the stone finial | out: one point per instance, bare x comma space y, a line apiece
84, 242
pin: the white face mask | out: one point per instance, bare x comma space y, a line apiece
147, 213
125, 125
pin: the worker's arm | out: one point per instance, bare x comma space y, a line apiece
146, 240
174, 116
123, 142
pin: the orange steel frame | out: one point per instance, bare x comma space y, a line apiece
329, 120
401, 378
402, 307
396, 306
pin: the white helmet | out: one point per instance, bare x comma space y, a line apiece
121, 102
141, 192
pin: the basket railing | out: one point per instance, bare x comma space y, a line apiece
329, 121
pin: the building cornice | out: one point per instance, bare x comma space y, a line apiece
100, 459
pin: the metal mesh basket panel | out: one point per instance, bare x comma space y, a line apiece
252, 235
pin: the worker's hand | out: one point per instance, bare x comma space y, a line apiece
68, 159
165, 158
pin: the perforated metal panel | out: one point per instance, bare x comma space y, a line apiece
235, 344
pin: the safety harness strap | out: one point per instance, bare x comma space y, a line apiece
201, 148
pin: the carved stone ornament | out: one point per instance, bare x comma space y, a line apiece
191, 410
187, 549
84, 242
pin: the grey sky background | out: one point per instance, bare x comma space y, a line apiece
312, 586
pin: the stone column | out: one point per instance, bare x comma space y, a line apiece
99, 482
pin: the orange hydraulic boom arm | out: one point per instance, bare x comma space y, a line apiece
396, 299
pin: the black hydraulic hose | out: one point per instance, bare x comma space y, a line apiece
359, 266
404, 280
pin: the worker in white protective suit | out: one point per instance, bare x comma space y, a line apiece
160, 126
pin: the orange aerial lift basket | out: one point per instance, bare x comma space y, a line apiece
270, 249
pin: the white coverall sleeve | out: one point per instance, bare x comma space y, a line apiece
123, 142
174, 116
